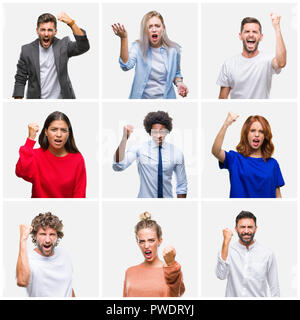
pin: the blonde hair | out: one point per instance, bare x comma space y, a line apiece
146, 222
144, 40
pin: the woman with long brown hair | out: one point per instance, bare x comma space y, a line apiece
57, 168
253, 172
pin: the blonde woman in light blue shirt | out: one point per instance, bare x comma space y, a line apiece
156, 60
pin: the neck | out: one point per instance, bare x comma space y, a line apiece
248, 54
256, 153
58, 152
156, 262
247, 245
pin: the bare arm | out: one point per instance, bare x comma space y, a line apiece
224, 92
279, 61
73, 293
63, 17
217, 146
120, 152
278, 193
121, 32
23, 268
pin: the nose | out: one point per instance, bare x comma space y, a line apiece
146, 245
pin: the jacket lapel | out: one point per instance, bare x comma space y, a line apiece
56, 54
36, 58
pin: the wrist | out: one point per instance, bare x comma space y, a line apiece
70, 23
178, 81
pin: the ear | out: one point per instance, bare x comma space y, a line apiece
240, 36
261, 37
160, 241
235, 228
37, 30
46, 132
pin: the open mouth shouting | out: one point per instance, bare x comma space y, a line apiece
256, 142
58, 142
148, 254
251, 44
46, 42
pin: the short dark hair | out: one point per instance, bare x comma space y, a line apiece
160, 117
70, 145
46, 17
44, 220
245, 215
250, 20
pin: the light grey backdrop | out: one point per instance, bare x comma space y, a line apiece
282, 117
220, 25
277, 230
181, 22
19, 28
17, 116
81, 241
179, 223
184, 136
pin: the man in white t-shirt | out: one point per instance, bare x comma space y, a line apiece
249, 75
47, 270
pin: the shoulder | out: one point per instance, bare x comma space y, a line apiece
264, 250
29, 46
133, 269
61, 253
232, 60
76, 156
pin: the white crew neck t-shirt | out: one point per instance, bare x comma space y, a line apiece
50, 276
248, 78
155, 87
50, 87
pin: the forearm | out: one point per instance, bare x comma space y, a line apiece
181, 196
23, 268
120, 152
278, 193
76, 30
124, 55
217, 145
224, 251
280, 55
224, 92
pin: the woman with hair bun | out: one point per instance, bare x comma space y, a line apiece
253, 172
57, 168
153, 277
156, 59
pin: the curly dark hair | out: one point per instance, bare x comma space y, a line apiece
44, 220
160, 117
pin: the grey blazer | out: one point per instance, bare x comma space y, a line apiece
28, 67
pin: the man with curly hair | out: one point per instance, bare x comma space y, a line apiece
157, 160
47, 270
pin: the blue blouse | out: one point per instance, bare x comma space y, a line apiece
252, 177
171, 59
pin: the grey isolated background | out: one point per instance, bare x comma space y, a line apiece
81, 241
277, 230
220, 28
85, 126
179, 223
282, 118
183, 30
19, 28
184, 136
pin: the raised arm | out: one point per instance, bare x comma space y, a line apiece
279, 61
63, 17
172, 272
222, 268
23, 268
25, 166
217, 146
121, 32
120, 152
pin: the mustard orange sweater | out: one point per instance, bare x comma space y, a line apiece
145, 281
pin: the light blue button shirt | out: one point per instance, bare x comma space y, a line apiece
146, 156
171, 59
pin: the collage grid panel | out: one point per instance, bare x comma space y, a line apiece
101, 200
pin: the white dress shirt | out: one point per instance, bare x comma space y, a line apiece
248, 271
146, 156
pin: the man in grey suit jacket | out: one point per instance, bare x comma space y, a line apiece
44, 62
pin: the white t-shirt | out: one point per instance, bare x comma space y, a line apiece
155, 86
50, 87
50, 276
248, 78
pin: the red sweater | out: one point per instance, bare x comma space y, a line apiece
52, 176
